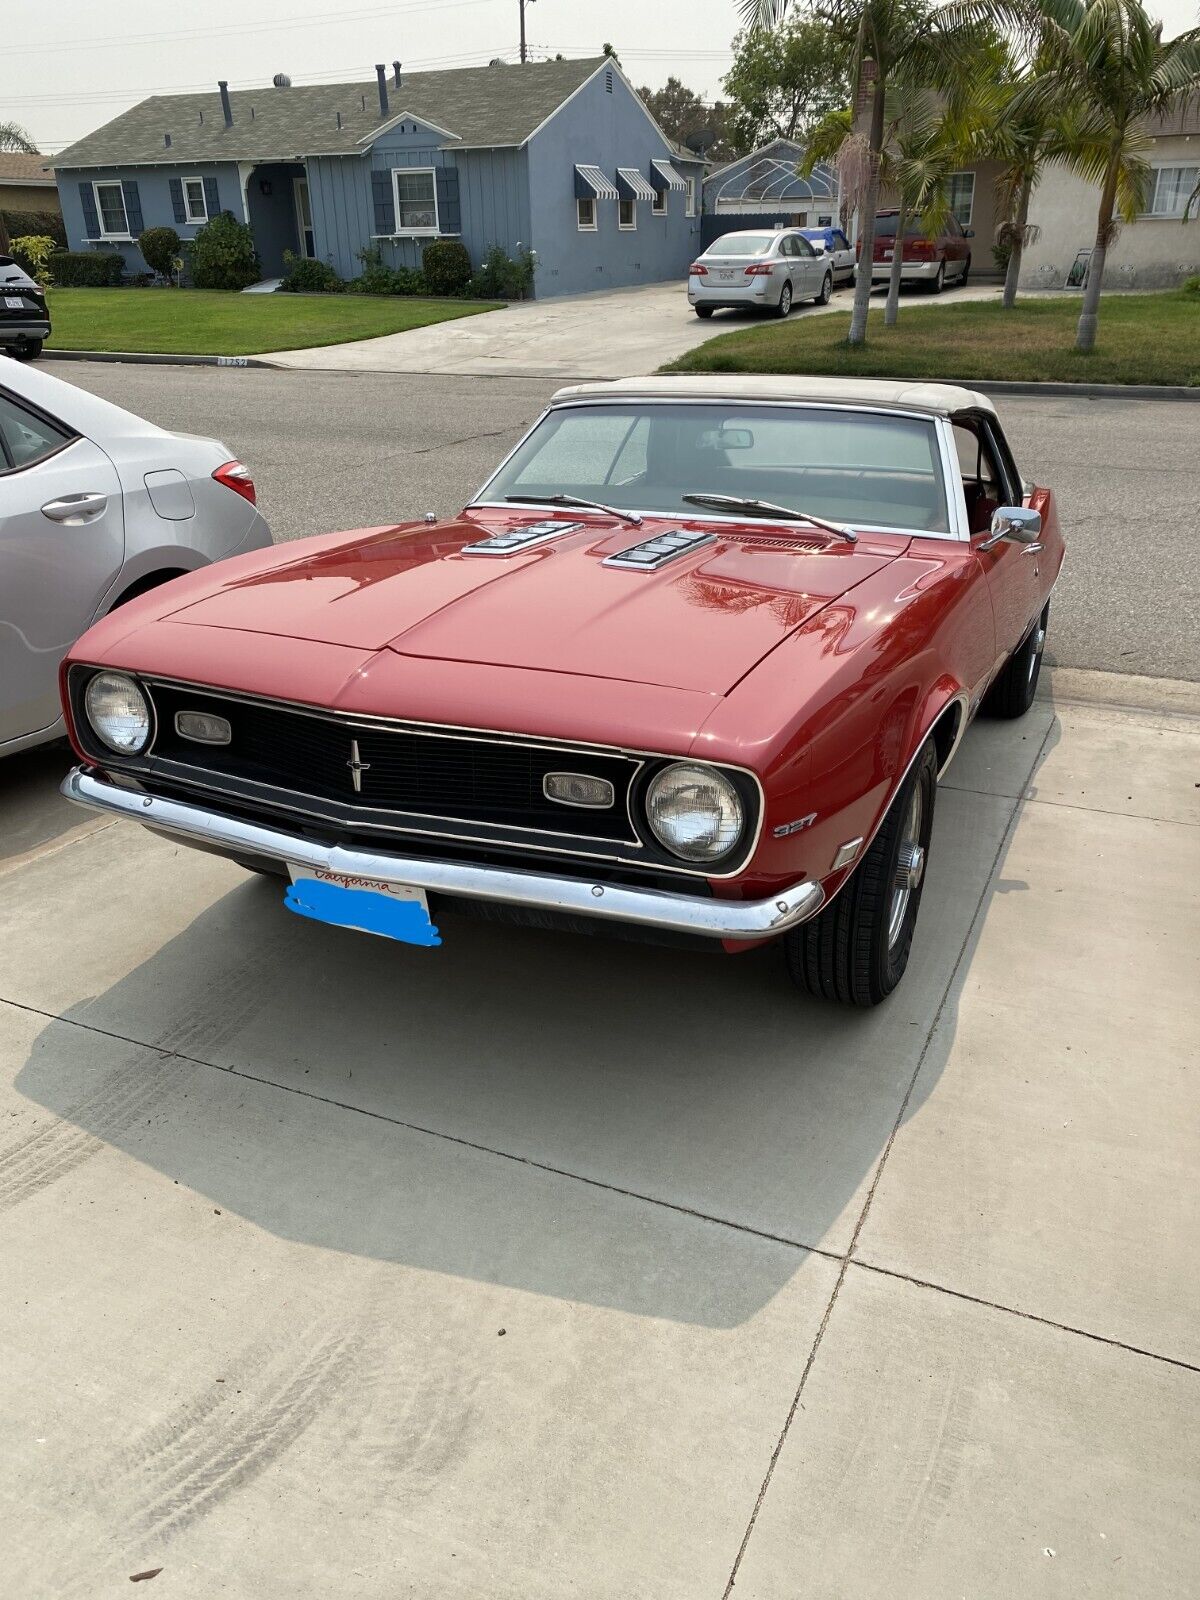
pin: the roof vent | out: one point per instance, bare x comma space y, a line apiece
396, 74
656, 552
166, 141
282, 81
515, 541
381, 79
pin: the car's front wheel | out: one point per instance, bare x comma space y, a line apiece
856, 950
826, 290
785, 301
1012, 693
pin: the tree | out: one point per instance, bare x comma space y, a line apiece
1107, 64
14, 139
785, 80
680, 113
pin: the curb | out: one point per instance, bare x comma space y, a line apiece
1119, 690
152, 359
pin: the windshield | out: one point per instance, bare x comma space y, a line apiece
885, 228
859, 467
741, 244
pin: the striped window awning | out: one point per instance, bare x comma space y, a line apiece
592, 184
664, 176
632, 186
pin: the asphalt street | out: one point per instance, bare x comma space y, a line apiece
343, 450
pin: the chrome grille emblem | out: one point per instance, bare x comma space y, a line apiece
357, 766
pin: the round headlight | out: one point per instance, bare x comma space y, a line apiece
695, 812
118, 712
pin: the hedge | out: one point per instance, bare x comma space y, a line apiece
38, 224
87, 269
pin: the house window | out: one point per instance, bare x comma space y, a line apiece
193, 200
416, 200
585, 214
659, 208
626, 214
110, 203
962, 196
690, 210
1173, 186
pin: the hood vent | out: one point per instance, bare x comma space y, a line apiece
656, 552
515, 541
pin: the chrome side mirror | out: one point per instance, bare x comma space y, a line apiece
1018, 524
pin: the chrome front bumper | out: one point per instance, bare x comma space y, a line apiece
650, 908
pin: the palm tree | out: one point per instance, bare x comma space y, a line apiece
14, 139
888, 41
1111, 69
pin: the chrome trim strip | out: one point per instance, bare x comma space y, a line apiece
716, 919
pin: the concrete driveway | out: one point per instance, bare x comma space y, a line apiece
617, 333
540, 1267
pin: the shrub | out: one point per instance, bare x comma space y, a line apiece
446, 266
223, 255
39, 224
502, 278
1192, 286
1001, 251
33, 253
159, 247
86, 269
302, 276
378, 278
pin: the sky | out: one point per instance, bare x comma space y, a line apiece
68, 68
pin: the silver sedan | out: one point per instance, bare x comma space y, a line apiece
761, 268
96, 506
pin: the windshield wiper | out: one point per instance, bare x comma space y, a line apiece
732, 501
574, 500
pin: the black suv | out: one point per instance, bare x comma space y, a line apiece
24, 320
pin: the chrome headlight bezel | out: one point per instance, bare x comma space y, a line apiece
694, 841
138, 737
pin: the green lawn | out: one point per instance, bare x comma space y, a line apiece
1153, 338
209, 322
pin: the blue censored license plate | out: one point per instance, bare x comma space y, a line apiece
370, 905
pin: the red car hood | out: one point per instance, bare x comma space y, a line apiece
700, 623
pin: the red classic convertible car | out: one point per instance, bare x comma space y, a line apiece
688, 667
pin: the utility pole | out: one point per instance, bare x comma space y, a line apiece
524, 51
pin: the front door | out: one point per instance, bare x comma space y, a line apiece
1012, 570
304, 223
62, 542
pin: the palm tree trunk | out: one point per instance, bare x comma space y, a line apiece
892, 309
1013, 270
866, 232
1089, 316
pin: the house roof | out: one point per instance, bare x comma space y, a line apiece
22, 169
489, 106
940, 399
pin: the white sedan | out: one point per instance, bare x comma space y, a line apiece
766, 269
96, 506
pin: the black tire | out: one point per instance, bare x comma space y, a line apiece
27, 349
785, 302
826, 293
849, 952
704, 311
939, 283
1012, 693
966, 273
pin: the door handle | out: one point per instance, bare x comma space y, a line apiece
75, 508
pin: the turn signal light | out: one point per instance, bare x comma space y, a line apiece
237, 477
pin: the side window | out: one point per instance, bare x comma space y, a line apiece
840, 242
982, 478
26, 437
803, 248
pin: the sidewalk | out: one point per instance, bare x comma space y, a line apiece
537, 1266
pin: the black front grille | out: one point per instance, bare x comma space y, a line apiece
470, 778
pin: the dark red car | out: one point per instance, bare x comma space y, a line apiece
688, 667
935, 262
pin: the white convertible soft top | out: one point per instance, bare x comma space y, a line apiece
939, 399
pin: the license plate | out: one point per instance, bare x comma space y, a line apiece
14, 302
726, 274
888, 254
369, 905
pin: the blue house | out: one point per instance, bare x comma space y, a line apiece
765, 189
560, 157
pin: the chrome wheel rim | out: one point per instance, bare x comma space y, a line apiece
910, 866
1035, 655
785, 299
